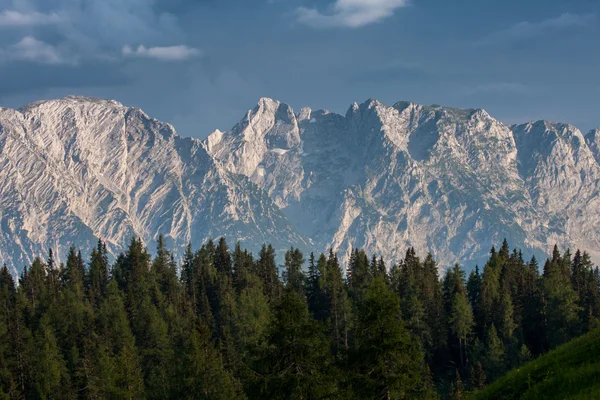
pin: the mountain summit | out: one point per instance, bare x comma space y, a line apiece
77, 169
444, 180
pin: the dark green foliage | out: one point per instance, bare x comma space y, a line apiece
225, 326
293, 276
294, 362
386, 361
267, 271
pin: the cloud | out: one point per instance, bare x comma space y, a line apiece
32, 50
10, 18
527, 30
96, 29
169, 53
498, 88
350, 13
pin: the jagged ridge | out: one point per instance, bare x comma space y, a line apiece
442, 179
445, 180
77, 169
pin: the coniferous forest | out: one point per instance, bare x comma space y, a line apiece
227, 324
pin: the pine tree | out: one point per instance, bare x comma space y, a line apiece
119, 367
252, 315
223, 262
35, 289
8, 382
533, 310
461, 322
359, 272
478, 377
337, 304
50, 371
189, 276
164, 272
97, 279
293, 276
243, 264
267, 271
474, 290
524, 355
456, 388
460, 313
495, 353
53, 273
296, 363
507, 323
72, 317
387, 361
317, 288
433, 301
562, 310
200, 372
491, 290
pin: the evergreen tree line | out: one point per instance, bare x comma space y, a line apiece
226, 325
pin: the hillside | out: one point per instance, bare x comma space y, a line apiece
572, 371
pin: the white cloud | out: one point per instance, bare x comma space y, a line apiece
93, 29
32, 50
350, 13
169, 53
526, 29
10, 18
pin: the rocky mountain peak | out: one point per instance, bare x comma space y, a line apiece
446, 180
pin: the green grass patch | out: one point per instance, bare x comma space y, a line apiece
572, 371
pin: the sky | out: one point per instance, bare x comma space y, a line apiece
201, 64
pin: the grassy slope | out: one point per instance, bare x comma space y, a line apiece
572, 371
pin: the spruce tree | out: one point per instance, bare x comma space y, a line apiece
561, 302
478, 377
295, 362
267, 271
97, 278
386, 360
495, 354
293, 276
120, 367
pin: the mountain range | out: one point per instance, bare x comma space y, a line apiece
450, 181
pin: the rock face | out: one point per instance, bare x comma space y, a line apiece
77, 169
450, 181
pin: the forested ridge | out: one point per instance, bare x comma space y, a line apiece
225, 324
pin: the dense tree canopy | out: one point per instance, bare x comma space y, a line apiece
223, 324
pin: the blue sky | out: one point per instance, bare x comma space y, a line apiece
200, 64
